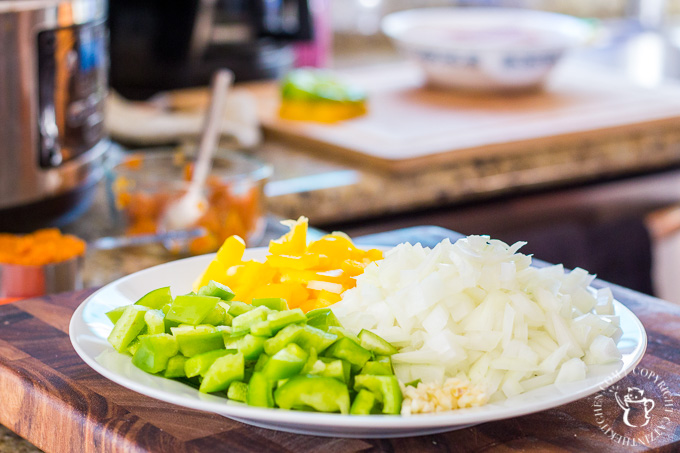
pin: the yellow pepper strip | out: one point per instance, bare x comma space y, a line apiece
215, 271
232, 250
292, 243
253, 275
306, 276
305, 261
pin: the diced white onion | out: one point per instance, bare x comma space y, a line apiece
477, 310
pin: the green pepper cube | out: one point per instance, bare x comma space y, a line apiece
251, 346
261, 362
237, 308
311, 361
238, 391
305, 336
287, 335
349, 350
259, 392
115, 314
227, 317
288, 362
322, 318
377, 368
191, 309
323, 394
363, 403
373, 342
223, 372
335, 368
342, 332
243, 322
276, 321
134, 345
155, 322
198, 340
385, 389
273, 303
216, 289
311, 337
128, 326
216, 316
199, 364
156, 298
154, 352
175, 368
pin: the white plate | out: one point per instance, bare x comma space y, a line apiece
90, 327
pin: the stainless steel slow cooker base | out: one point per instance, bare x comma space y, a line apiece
53, 80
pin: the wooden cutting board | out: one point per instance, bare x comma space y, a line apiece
51, 397
410, 127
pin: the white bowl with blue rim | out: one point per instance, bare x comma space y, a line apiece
485, 48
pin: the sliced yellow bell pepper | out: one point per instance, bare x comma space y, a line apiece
306, 276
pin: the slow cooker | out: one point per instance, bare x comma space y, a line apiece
53, 83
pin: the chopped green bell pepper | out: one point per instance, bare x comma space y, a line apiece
349, 350
155, 322
154, 352
223, 372
198, 340
175, 368
199, 364
311, 337
238, 391
128, 326
363, 403
335, 368
273, 303
276, 321
216, 316
385, 389
134, 345
375, 343
190, 309
259, 391
216, 289
306, 337
377, 368
242, 323
115, 314
156, 298
323, 394
342, 332
288, 362
251, 346
261, 362
237, 308
322, 318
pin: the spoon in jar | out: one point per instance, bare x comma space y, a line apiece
190, 207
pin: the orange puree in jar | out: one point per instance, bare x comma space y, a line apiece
42, 247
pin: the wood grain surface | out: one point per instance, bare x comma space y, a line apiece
410, 127
49, 396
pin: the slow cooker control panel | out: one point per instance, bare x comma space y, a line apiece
72, 66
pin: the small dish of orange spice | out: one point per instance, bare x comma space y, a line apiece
38, 263
42, 247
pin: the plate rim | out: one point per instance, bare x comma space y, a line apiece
338, 421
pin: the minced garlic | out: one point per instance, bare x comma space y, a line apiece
455, 393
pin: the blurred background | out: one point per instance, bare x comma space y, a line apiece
578, 155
